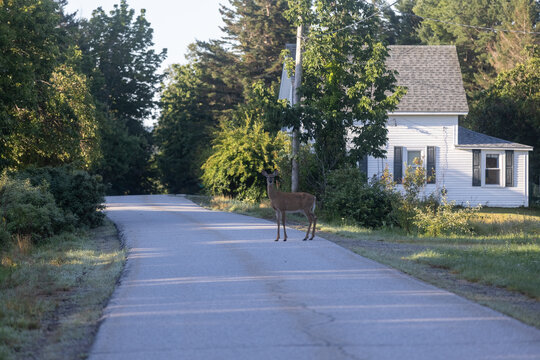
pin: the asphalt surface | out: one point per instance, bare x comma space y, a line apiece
201, 284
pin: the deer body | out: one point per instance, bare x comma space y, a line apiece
283, 203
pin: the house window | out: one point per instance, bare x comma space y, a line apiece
411, 156
493, 171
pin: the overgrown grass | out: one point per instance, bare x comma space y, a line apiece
518, 222
513, 266
52, 295
503, 251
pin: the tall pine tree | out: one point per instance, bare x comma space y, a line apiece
258, 31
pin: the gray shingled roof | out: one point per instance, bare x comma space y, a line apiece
431, 74
432, 77
471, 139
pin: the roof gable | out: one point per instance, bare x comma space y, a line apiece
432, 77
431, 74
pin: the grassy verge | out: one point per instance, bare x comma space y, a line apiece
499, 266
52, 296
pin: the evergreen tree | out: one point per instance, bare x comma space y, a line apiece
478, 63
258, 31
401, 26
513, 48
219, 82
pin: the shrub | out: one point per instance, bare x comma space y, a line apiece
79, 194
28, 210
405, 204
445, 219
239, 155
5, 236
349, 195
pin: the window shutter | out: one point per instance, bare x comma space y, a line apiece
430, 165
509, 168
476, 174
398, 164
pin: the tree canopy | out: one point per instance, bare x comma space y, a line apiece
346, 89
46, 110
123, 68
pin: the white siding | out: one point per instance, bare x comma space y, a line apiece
453, 166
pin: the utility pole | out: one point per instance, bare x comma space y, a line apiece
295, 100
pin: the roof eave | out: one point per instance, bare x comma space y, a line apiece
428, 113
495, 147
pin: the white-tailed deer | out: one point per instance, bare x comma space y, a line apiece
290, 202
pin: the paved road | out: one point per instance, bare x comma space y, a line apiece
209, 285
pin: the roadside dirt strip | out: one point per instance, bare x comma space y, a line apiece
201, 284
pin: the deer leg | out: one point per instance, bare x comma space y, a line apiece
314, 224
284, 231
277, 220
308, 216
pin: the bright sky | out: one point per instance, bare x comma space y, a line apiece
176, 23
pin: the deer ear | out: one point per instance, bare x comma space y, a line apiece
264, 173
276, 173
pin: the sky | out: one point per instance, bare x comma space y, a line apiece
176, 23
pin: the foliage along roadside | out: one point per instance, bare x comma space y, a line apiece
41, 202
52, 295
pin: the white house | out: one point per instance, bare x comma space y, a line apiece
473, 168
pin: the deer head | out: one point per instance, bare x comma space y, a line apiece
270, 178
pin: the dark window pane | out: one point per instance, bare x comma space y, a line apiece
492, 161
492, 177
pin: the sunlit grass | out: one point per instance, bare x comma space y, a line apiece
519, 222
513, 266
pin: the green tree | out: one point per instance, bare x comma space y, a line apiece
121, 61
239, 155
46, 111
125, 164
63, 129
478, 50
509, 109
345, 82
261, 103
471, 43
184, 130
516, 47
258, 30
220, 82
123, 68
400, 27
